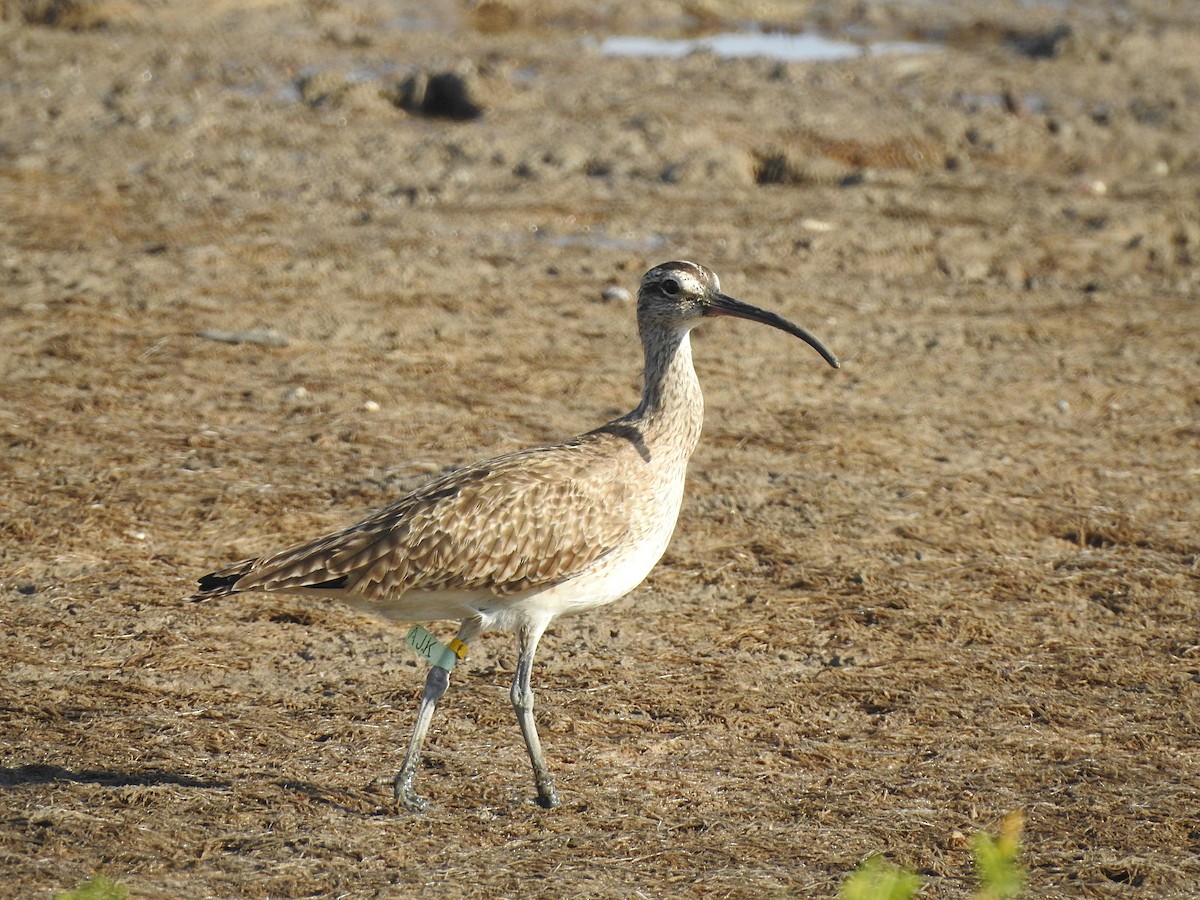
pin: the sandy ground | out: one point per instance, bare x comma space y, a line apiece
955, 579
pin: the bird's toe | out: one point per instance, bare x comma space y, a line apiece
406, 796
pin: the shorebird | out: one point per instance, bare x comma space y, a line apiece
514, 542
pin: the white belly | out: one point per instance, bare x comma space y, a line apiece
617, 574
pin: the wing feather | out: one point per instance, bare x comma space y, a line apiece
513, 523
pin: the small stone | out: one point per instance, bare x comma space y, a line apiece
320, 87
818, 225
296, 393
616, 294
370, 406
446, 95
264, 337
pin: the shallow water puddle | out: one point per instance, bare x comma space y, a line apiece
806, 46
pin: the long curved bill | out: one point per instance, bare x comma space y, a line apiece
722, 305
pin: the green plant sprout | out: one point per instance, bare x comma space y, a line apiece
878, 879
1000, 877
996, 865
97, 888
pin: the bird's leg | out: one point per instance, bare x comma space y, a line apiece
435, 686
522, 701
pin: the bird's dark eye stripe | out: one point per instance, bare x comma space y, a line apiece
671, 286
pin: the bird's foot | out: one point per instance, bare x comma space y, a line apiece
404, 794
547, 795
412, 801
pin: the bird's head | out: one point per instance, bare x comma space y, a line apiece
678, 295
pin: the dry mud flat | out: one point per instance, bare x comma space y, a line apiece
955, 579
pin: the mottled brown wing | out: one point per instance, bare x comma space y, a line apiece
513, 523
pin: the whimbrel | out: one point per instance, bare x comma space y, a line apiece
516, 541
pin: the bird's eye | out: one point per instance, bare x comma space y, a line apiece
671, 287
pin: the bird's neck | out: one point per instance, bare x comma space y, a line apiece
672, 407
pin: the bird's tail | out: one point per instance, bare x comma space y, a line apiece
224, 582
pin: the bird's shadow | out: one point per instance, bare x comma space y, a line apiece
41, 773
363, 803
